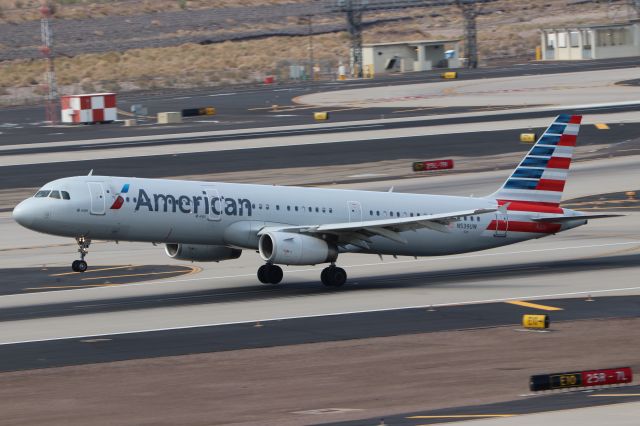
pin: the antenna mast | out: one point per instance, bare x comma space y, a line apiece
46, 11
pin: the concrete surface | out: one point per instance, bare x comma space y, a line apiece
590, 87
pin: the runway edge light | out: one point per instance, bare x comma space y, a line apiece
449, 75
321, 116
527, 137
536, 322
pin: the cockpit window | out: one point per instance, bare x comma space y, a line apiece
65, 195
42, 194
55, 194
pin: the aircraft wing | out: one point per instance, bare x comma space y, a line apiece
358, 233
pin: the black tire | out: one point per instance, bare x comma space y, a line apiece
82, 266
338, 277
262, 274
274, 274
324, 277
74, 266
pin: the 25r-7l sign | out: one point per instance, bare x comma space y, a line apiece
610, 376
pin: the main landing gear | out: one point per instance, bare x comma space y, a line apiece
83, 249
333, 276
270, 274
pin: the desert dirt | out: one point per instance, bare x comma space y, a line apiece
374, 377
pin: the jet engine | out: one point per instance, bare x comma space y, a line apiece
201, 253
288, 248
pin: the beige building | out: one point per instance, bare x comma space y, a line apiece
403, 56
591, 42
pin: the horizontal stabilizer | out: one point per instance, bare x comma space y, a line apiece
570, 218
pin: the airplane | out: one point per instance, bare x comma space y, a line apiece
215, 221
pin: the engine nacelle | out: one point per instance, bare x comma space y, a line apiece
201, 253
289, 248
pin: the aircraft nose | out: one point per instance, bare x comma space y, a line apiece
23, 214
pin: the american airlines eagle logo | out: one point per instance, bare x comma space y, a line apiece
119, 201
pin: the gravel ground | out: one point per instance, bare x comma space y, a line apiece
375, 377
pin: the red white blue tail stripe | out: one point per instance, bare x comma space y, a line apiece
541, 176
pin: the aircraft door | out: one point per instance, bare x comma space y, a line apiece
96, 191
502, 225
215, 204
355, 211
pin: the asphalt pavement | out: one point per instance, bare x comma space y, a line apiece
343, 153
327, 328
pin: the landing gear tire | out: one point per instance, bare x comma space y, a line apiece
262, 274
270, 274
83, 249
333, 276
79, 266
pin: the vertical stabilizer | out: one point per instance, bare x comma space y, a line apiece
541, 175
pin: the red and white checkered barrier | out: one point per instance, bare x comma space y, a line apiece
89, 108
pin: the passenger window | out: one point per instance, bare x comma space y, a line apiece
42, 194
310, 209
277, 207
324, 210
296, 208
377, 212
330, 210
65, 195
55, 194
317, 210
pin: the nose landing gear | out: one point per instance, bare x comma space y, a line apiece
270, 274
83, 249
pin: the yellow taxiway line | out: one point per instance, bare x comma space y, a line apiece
68, 286
92, 270
136, 275
533, 305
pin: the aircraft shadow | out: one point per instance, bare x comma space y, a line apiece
293, 290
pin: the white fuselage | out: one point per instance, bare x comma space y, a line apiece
208, 213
